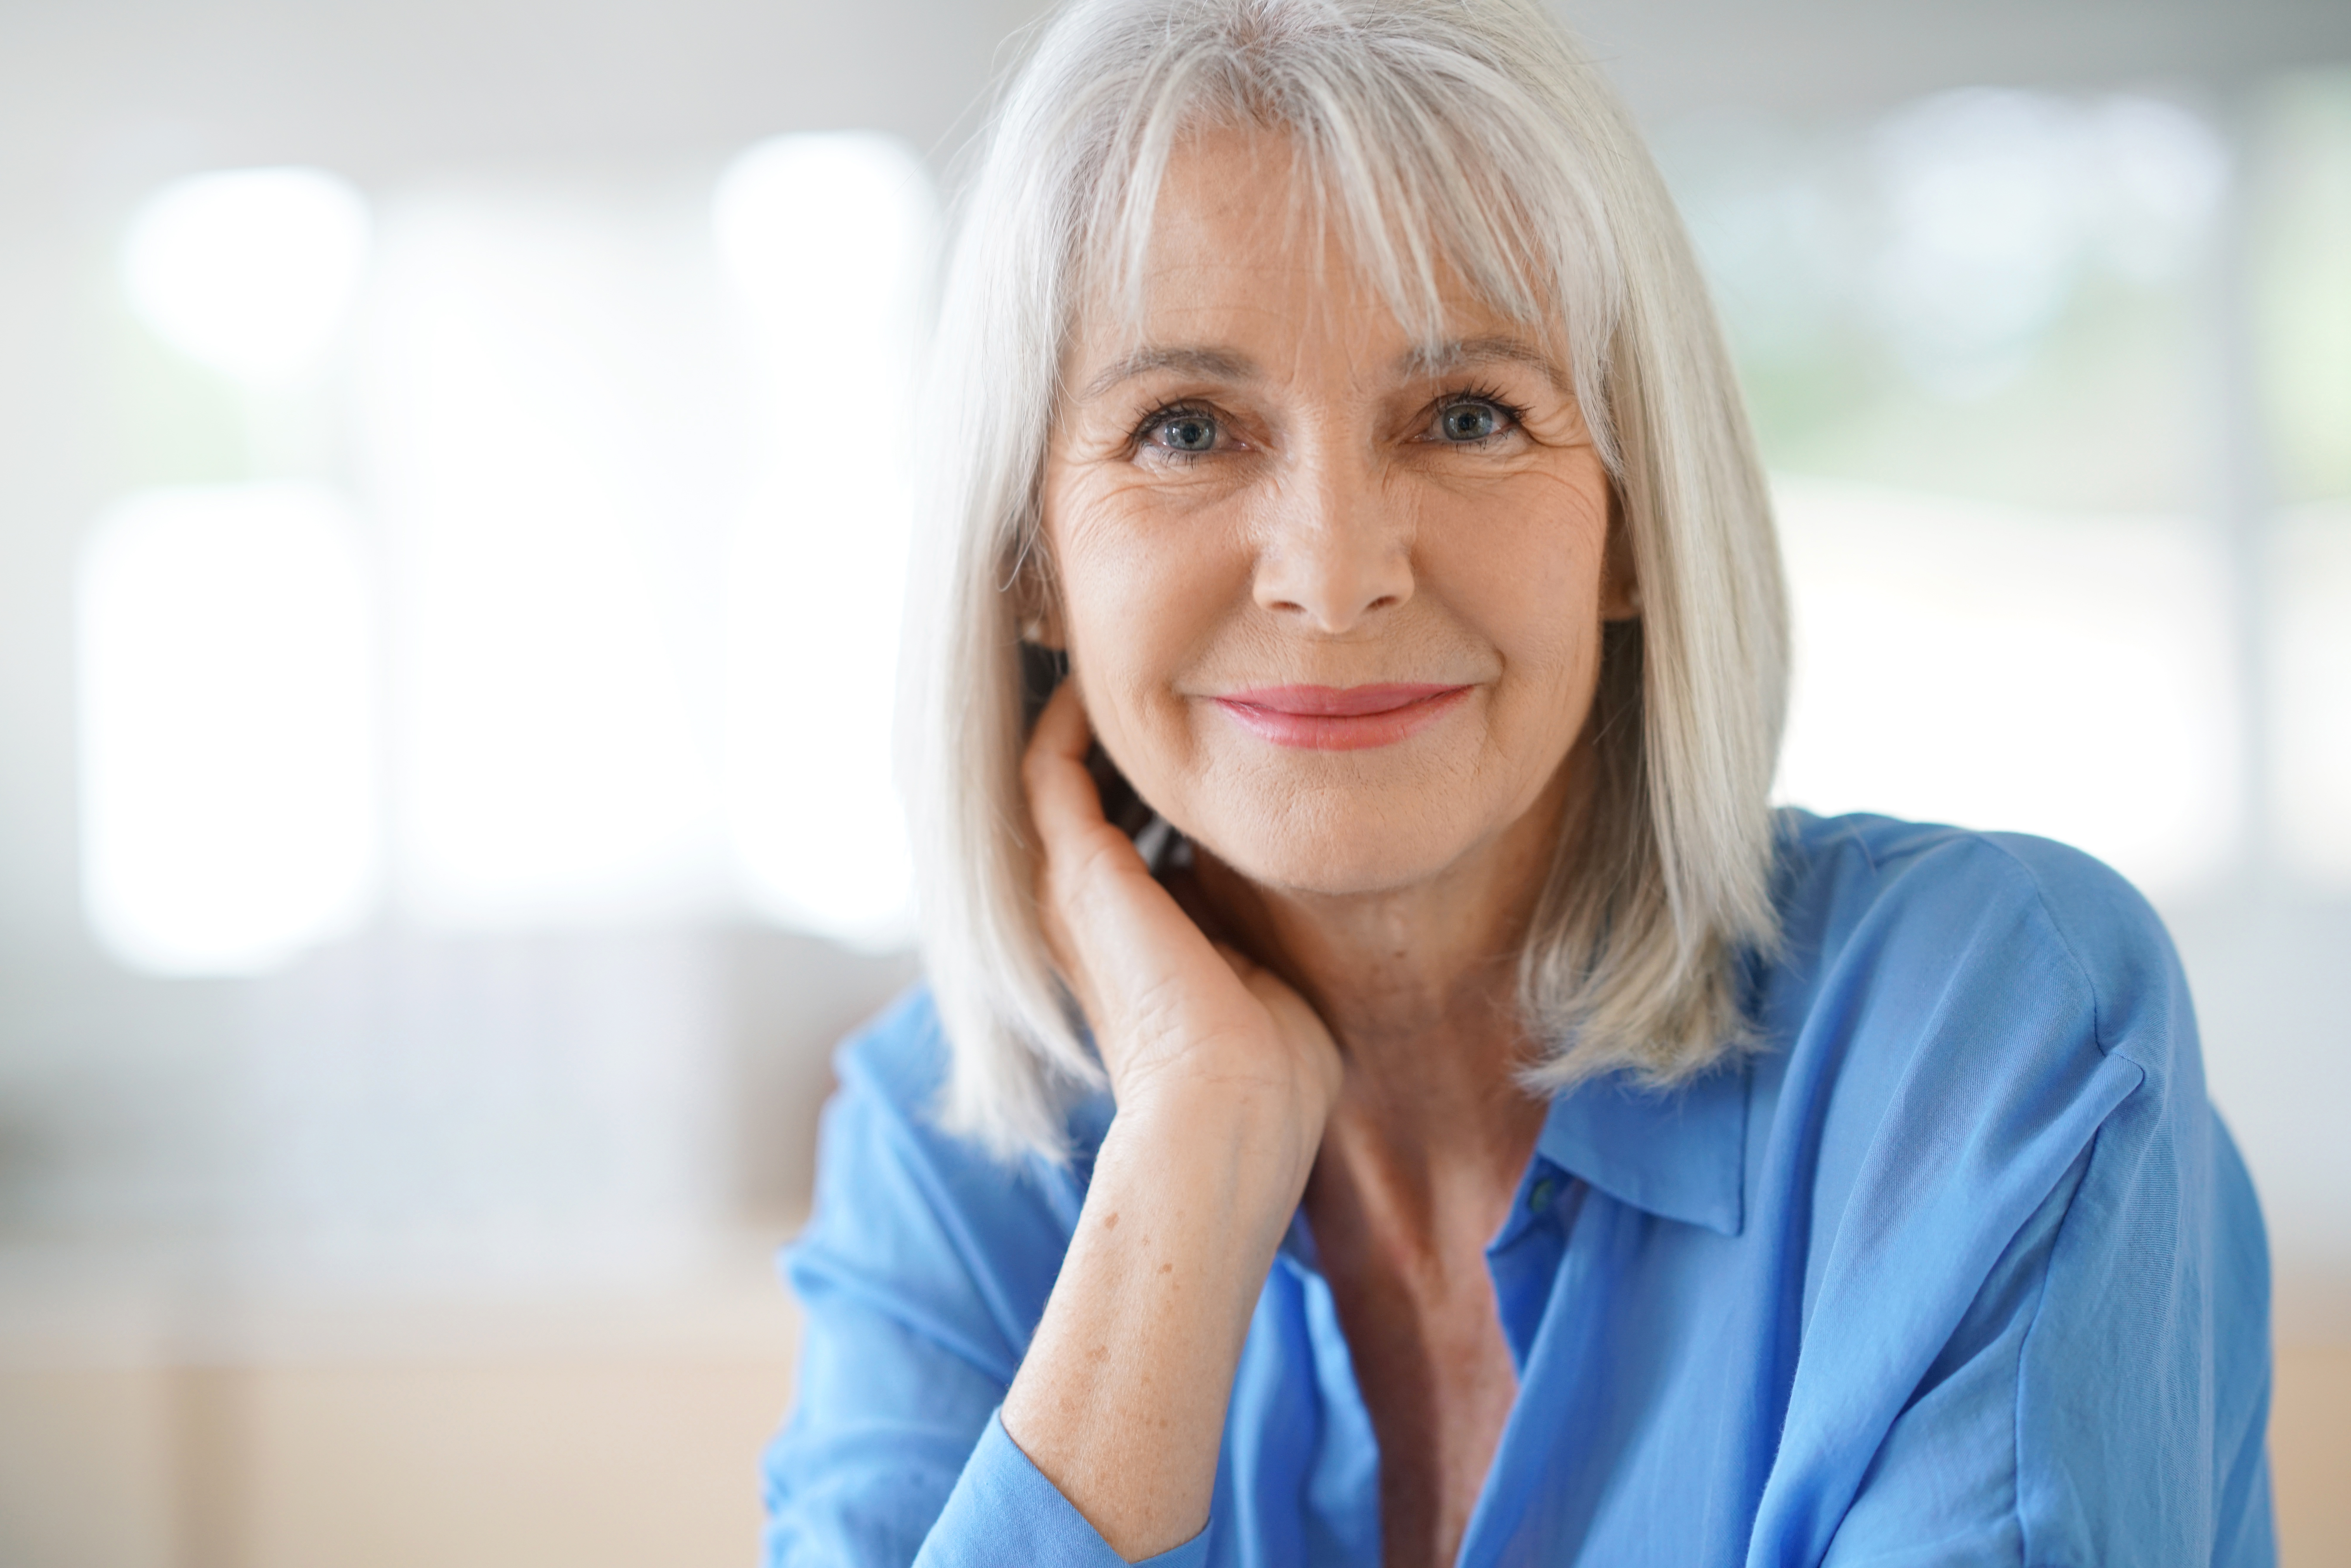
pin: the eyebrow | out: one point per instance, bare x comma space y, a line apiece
1216, 364
1219, 364
1463, 352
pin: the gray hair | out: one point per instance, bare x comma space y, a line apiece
1460, 134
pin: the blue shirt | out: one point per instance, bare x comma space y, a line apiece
1960, 1268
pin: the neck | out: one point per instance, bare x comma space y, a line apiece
1418, 985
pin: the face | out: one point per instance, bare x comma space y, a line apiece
1334, 605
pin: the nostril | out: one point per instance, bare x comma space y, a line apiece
1334, 572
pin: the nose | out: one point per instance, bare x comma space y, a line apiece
1336, 549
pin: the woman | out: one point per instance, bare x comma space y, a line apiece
1390, 1089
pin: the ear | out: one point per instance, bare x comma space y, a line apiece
1620, 579
1039, 605
1044, 630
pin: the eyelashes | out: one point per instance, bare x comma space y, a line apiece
1203, 421
1195, 430
1475, 396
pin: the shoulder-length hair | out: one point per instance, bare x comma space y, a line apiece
1442, 134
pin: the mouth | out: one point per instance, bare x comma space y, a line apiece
1339, 718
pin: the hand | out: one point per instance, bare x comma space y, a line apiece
1224, 1078
1175, 1017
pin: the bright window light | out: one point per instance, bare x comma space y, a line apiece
229, 813
1997, 201
829, 241
249, 271
2310, 654
550, 423
829, 238
2049, 674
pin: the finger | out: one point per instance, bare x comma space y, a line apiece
1183, 884
1077, 845
1063, 799
1063, 728
1293, 1016
1278, 996
1240, 962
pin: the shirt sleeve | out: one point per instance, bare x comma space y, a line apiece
1006, 1514
2104, 1396
921, 1277
2035, 1436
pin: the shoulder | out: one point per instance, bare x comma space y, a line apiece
1957, 1017
892, 1070
1847, 866
1968, 920
898, 1058
2021, 1229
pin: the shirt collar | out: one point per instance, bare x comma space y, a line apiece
1680, 1154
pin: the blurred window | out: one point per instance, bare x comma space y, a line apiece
827, 241
644, 461
229, 812
2065, 673
249, 271
638, 454
547, 422
2302, 279
1970, 332
2311, 652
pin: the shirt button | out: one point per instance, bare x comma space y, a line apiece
1539, 1195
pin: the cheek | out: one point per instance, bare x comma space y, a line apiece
1548, 627
1531, 590
1140, 601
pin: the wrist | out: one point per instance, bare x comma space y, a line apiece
1249, 1152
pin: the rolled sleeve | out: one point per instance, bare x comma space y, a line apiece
1005, 1513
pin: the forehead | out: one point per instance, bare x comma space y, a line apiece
1241, 238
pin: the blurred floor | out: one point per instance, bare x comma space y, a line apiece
609, 1427
2309, 1454
590, 1432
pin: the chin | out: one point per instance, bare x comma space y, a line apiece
1345, 847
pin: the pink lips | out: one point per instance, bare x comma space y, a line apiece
1339, 718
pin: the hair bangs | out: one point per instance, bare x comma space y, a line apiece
1441, 169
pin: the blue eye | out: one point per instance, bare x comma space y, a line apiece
1187, 432
1464, 421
